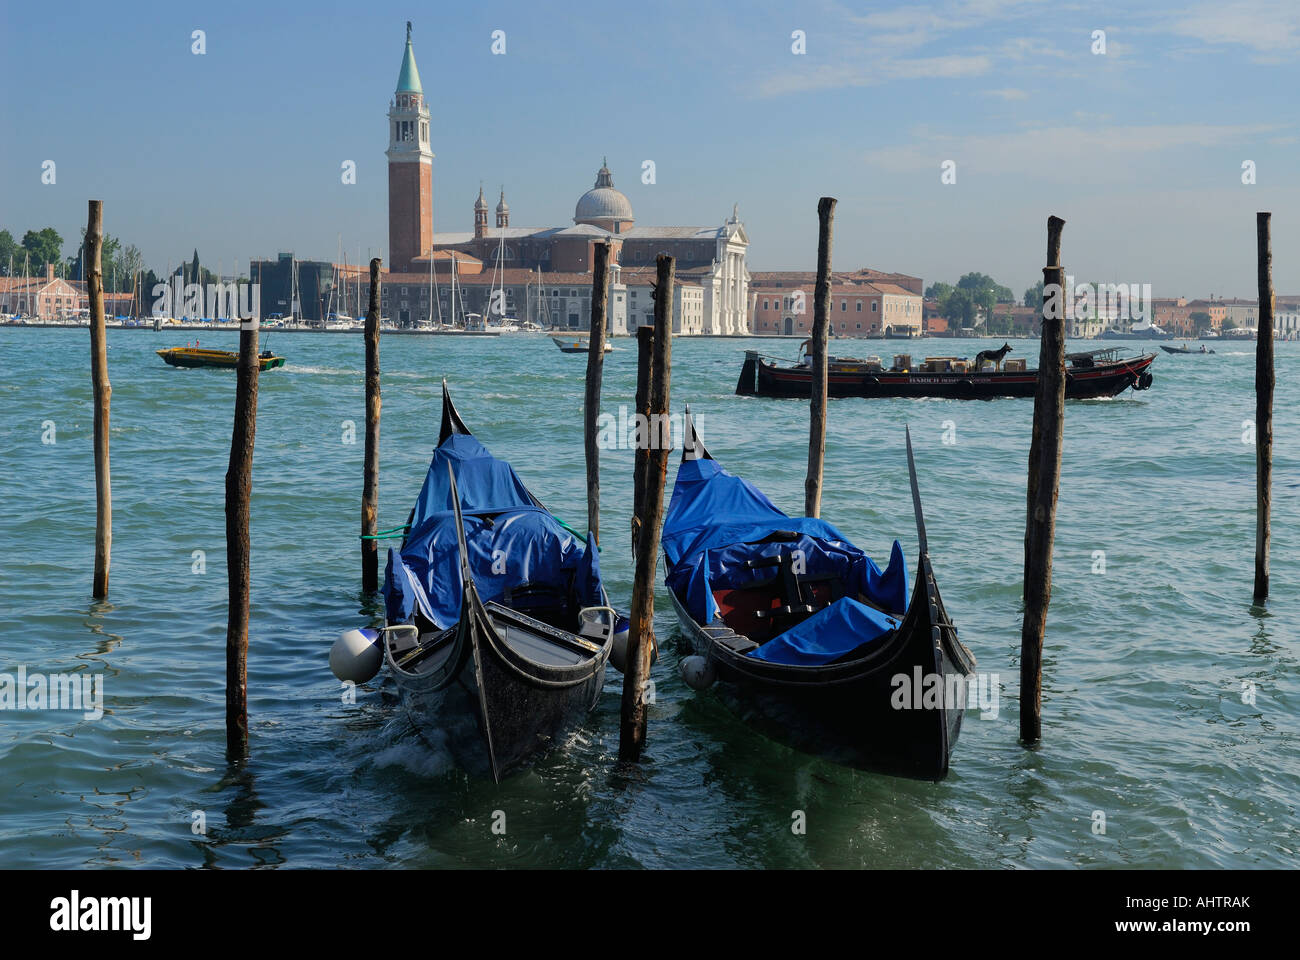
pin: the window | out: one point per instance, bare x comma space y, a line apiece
859, 310
844, 305
873, 310
859, 326
764, 304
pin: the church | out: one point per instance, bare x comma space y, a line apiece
545, 272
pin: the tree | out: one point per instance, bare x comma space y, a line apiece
1229, 325
1034, 295
9, 249
44, 246
959, 306
1200, 319
937, 290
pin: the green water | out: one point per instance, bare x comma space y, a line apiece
1144, 719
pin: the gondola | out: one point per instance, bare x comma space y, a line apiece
498, 626
809, 640
1088, 375
1184, 349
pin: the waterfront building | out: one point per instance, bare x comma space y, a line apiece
781, 302
47, 299
710, 257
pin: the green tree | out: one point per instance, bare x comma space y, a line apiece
1229, 325
1034, 295
44, 246
1200, 319
937, 290
9, 251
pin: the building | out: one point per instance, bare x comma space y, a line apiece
1216, 310
47, 299
1240, 314
781, 303
553, 260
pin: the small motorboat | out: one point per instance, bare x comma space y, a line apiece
1184, 349
577, 345
226, 359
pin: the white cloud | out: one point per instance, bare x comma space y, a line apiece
1266, 26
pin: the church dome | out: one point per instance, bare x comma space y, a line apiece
481, 202
602, 202
503, 207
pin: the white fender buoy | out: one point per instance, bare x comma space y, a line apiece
356, 656
698, 672
618, 651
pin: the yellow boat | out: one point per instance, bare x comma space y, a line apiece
202, 357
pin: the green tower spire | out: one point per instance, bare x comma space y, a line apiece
408, 81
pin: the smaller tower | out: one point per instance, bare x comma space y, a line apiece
480, 215
503, 210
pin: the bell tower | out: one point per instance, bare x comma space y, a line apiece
410, 168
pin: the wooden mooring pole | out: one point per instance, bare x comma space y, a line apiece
812, 496
239, 488
1265, 379
370, 482
653, 453
645, 362
595, 371
1043, 485
103, 392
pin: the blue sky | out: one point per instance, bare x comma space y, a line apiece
238, 151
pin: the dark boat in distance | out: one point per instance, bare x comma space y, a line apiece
577, 345
1088, 375
500, 647
194, 357
1184, 349
816, 647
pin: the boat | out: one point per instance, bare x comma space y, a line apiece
811, 641
576, 345
1088, 375
1149, 332
1184, 349
498, 628
196, 357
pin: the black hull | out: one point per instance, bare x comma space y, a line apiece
846, 712
494, 711
765, 379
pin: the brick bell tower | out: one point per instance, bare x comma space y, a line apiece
410, 169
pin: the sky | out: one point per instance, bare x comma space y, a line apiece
239, 151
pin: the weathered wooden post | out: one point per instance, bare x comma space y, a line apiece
1043, 485
370, 483
645, 362
1264, 381
239, 488
653, 451
812, 496
595, 371
103, 392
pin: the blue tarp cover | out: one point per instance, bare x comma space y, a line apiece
827, 635
512, 540
713, 521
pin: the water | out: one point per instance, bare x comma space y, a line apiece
1144, 719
